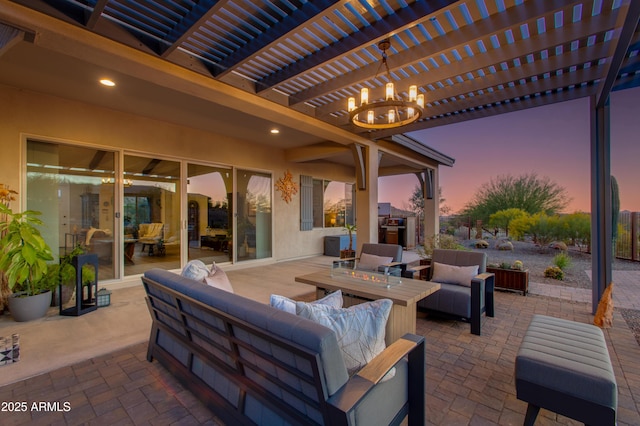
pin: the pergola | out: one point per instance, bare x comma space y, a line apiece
297, 62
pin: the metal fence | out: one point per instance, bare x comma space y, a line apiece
627, 246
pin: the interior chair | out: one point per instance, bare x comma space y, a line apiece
382, 258
466, 288
149, 234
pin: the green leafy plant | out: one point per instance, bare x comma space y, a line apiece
350, 229
562, 260
24, 253
554, 272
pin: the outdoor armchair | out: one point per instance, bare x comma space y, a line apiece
465, 292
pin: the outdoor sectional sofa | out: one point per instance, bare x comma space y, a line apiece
254, 364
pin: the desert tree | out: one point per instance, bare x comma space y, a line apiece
503, 218
416, 202
527, 192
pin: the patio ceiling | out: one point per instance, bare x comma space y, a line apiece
471, 59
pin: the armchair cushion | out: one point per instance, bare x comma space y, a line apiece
150, 231
451, 274
371, 262
360, 329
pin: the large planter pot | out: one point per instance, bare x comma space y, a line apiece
511, 279
27, 308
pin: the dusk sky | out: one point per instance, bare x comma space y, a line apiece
550, 141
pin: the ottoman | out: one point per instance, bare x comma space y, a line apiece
564, 366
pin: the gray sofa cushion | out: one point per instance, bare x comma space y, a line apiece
304, 332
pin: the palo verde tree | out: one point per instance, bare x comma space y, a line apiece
503, 218
526, 192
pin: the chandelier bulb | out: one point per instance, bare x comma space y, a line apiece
351, 104
392, 116
420, 100
413, 93
390, 92
364, 96
370, 117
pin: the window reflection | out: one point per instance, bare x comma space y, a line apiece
74, 189
209, 213
151, 214
254, 215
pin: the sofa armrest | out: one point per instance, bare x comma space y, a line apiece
356, 389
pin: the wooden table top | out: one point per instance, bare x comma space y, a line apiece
407, 292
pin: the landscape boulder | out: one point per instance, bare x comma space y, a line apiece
558, 245
482, 244
505, 245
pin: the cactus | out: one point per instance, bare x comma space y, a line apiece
615, 212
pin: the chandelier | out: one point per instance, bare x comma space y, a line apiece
393, 111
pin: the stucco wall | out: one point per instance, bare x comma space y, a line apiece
24, 113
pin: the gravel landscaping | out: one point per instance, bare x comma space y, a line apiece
536, 259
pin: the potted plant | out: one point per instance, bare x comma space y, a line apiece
511, 276
349, 252
66, 276
6, 196
23, 259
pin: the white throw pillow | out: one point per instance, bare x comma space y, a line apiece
360, 329
450, 274
196, 270
370, 262
285, 304
219, 279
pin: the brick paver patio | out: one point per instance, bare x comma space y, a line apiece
469, 378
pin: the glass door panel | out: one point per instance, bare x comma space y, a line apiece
209, 213
151, 214
253, 240
80, 182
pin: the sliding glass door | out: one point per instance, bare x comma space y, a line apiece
151, 214
74, 188
253, 240
130, 211
209, 213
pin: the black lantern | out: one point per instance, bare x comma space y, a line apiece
87, 288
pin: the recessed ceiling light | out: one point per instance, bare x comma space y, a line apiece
107, 82
275, 131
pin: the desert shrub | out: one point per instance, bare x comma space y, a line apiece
554, 272
562, 260
441, 241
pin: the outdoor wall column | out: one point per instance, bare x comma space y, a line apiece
431, 193
601, 231
367, 161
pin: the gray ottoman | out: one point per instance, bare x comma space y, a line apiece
564, 366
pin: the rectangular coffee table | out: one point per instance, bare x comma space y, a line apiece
405, 296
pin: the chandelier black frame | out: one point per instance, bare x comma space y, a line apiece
393, 111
